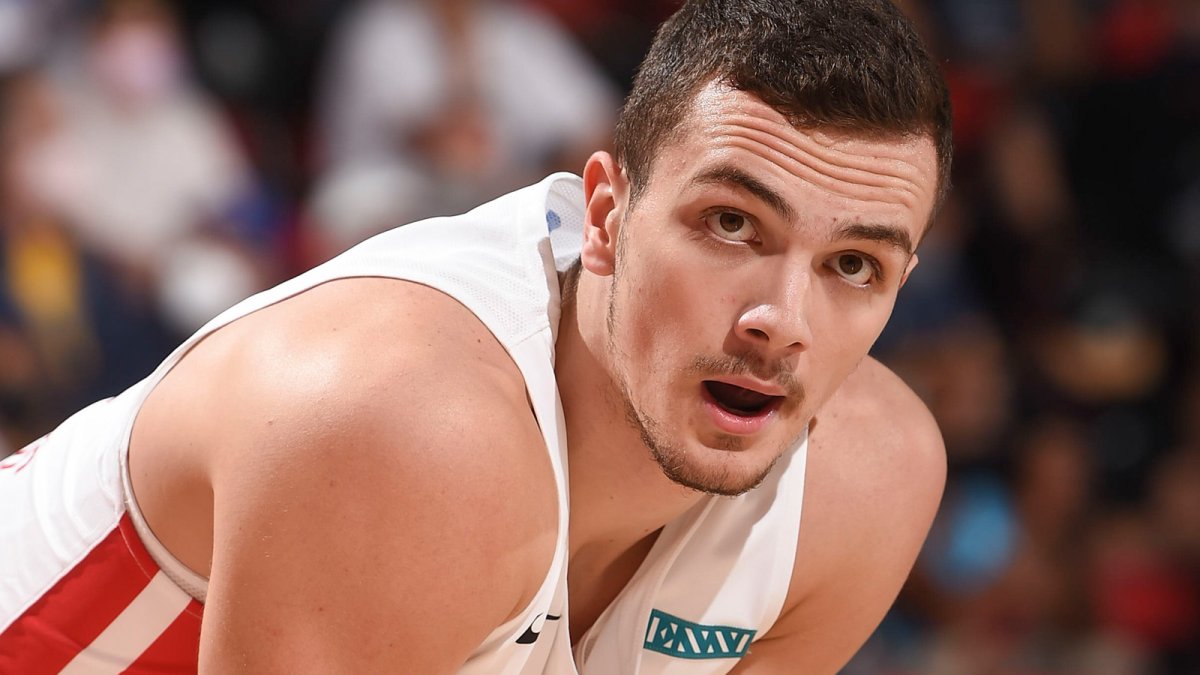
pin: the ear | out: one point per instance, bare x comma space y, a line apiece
605, 190
912, 264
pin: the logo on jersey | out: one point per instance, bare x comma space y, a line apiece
530, 636
673, 636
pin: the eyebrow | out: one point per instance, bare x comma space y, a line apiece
733, 176
887, 234
726, 174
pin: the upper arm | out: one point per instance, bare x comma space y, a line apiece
875, 477
372, 505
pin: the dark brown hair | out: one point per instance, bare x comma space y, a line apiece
854, 65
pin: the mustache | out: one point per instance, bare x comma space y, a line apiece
750, 364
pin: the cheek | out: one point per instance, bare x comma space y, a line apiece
648, 325
846, 334
668, 310
873, 317
853, 329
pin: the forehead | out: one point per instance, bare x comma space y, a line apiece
728, 127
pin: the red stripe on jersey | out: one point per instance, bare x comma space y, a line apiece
80, 606
177, 650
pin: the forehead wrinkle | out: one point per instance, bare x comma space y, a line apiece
836, 170
858, 191
752, 113
719, 104
838, 165
731, 175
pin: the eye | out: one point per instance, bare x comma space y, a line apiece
855, 268
730, 225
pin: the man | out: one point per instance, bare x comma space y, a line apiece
456, 449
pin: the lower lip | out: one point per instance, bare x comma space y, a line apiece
737, 424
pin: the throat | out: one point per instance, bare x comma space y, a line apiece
596, 577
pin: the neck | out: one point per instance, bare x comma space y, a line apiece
620, 497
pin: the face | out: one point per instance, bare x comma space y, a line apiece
749, 278
138, 60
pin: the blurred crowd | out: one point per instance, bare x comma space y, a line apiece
159, 161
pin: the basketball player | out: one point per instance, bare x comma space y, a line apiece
617, 424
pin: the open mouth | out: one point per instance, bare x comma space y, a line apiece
739, 400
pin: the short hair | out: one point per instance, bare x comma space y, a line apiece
853, 65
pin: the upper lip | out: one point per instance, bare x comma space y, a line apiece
752, 384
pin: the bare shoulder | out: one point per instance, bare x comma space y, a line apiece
876, 470
381, 492
891, 430
877, 467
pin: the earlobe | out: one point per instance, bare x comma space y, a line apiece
604, 194
912, 264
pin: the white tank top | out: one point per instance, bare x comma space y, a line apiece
714, 581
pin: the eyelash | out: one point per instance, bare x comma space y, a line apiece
877, 276
704, 215
876, 269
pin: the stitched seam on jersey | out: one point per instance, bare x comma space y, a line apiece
560, 485
784, 543
542, 326
147, 573
151, 574
543, 320
535, 260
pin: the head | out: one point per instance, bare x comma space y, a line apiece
774, 168
850, 65
135, 51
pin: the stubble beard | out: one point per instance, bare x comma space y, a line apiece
672, 457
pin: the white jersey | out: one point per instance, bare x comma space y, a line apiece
713, 583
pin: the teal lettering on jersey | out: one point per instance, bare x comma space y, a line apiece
673, 636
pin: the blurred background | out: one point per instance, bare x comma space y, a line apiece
159, 161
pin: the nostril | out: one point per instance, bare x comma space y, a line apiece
757, 332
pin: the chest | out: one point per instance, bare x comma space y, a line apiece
594, 583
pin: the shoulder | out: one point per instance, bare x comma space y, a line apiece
359, 357
876, 469
880, 428
390, 377
375, 448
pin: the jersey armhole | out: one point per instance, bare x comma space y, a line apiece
183, 576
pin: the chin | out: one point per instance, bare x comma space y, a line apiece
727, 469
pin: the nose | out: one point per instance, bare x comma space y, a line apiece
779, 324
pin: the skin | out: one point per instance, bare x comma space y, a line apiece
336, 452
790, 291
326, 484
787, 298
